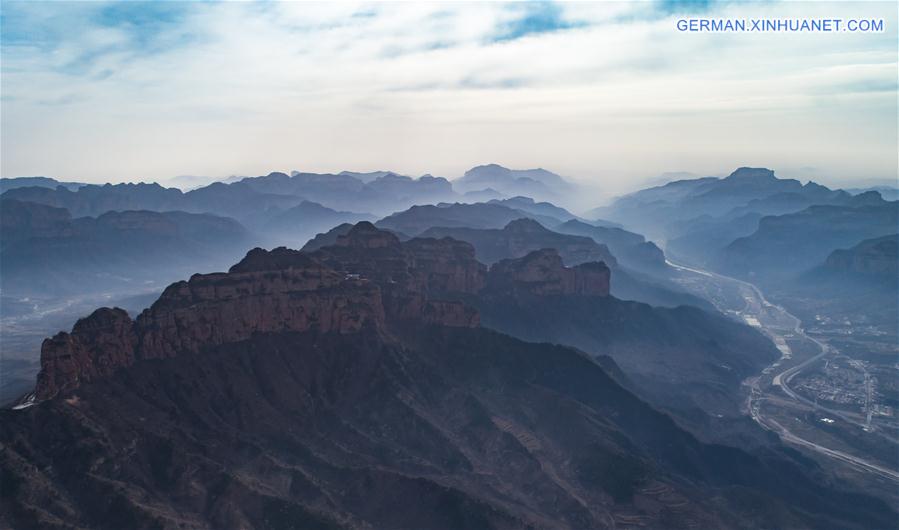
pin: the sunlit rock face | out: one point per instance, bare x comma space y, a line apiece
367, 279
97, 346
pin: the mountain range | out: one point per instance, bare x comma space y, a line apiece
785, 245
325, 389
45, 251
538, 183
521, 236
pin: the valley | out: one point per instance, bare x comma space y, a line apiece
26, 322
804, 396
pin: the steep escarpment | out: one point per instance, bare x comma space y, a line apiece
365, 279
98, 345
542, 273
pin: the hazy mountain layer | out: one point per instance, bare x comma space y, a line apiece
345, 383
47, 252
786, 245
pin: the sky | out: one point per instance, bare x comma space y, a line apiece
610, 94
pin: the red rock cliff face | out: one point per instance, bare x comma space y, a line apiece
413, 275
447, 265
542, 273
367, 278
97, 346
214, 309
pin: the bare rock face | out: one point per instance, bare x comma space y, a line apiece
367, 279
542, 273
446, 264
591, 279
214, 309
410, 274
97, 346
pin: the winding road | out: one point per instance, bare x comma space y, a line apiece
778, 324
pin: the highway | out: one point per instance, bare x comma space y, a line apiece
776, 323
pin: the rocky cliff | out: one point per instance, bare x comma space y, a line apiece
542, 273
365, 280
97, 346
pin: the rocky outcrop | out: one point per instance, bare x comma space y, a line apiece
446, 265
542, 273
97, 346
410, 274
214, 309
367, 279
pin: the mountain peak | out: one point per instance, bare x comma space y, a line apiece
756, 173
280, 258
542, 273
366, 235
525, 225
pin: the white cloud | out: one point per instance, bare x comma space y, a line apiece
243, 88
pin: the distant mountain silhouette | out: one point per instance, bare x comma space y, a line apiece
522, 236
852, 284
631, 249
682, 209
417, 219
93, 200
383, 194
297, 224
543, 209
46, 251
872, 257
251, 200
42, 182
786, 245
364, 177
889, 193
537, 183
484, 195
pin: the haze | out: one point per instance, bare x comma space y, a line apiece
602, 93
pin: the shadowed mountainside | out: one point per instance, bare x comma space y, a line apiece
346, 382
522, 236
786, 245
45, 251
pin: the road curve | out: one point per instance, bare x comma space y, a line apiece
781, 380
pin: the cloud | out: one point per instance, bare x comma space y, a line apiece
533, 18
95, 91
